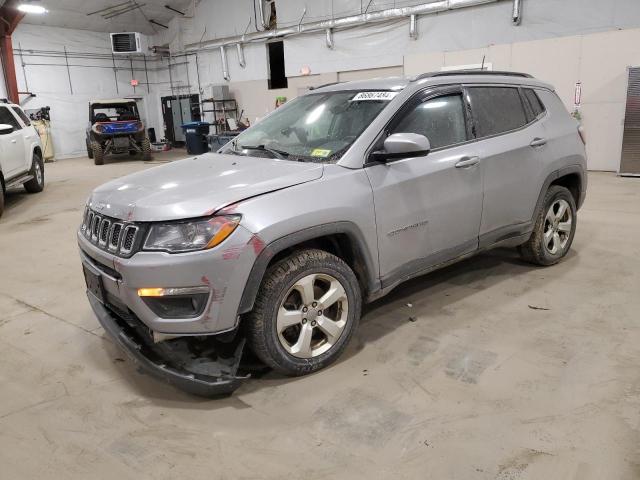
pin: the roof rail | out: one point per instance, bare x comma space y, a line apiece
323, 85
471, 72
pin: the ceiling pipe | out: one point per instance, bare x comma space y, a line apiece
413, 27
341, 22
329, 38
263, 22
516, 16
241, 59
225, 64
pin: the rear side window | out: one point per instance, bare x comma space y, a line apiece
22, 115
534, 101
8, 119
440, 119
496, 110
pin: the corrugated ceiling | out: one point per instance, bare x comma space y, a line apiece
73, 14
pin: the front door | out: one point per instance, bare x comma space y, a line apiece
428, 209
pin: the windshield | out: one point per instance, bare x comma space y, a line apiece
315, 127
114, 113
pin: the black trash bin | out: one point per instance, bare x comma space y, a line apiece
196, 137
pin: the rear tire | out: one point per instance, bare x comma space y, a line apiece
554, 229
89, 151
98, 154
146, 149
36, 184
306, 311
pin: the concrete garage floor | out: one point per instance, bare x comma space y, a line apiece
508, 371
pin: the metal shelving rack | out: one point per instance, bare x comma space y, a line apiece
222, 109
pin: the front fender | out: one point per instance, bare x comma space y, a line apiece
269, 251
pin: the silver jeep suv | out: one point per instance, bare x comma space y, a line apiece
333, 200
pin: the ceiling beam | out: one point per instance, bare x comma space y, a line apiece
10, 17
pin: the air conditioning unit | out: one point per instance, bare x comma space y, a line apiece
128, 42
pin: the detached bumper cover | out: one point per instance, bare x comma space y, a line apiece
198, 370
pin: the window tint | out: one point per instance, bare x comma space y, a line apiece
440, 119
496, 110
7, 118
22, 115
536, 105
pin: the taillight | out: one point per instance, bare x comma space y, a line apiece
583, 135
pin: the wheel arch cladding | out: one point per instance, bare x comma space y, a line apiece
572, 175
573, 183
343, 239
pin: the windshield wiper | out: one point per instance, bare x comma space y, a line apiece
280, 154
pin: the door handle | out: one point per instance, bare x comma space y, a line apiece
538, 142
13, 141
466, 162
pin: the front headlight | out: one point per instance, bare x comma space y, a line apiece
179, 237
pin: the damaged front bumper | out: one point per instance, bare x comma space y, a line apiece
200, 366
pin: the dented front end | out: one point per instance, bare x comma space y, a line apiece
200, 293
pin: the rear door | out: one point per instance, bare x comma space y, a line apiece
12, 154
511, 144
428, 208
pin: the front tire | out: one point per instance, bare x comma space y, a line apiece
36, 184
306, 311
98, 153
554, 229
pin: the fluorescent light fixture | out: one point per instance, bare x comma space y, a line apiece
30, 8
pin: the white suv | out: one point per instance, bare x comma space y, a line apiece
20, 152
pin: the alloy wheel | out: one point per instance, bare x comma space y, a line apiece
312, 316
38, 172
557, 227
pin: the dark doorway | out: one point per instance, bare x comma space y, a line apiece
277, 77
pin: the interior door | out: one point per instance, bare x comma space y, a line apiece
428, 208
13, 154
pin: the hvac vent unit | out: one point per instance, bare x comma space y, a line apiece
126, 43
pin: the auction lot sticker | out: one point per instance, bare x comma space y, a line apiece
377, 96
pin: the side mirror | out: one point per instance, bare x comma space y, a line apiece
402, 145
5, 128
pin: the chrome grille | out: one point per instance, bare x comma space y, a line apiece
114, 237
109, 233
128, 238
105, 226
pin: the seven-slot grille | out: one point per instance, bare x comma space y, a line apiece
109, 233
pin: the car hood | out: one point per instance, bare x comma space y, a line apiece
197, 186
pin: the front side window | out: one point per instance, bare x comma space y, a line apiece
22, 115
496, 110
440, 119
315, 127
8, 119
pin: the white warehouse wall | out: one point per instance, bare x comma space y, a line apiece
560, 42
68, 94
598, 61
